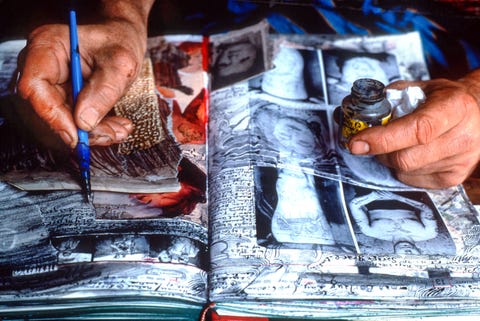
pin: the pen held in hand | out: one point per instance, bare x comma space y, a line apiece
83, 148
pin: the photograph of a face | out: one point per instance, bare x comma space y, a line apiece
397, 222
343, 67
298, 210
238, 56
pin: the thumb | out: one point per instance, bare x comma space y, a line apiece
107, 84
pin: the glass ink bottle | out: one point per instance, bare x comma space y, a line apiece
366, 106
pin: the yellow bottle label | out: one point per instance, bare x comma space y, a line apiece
386, 119
352, 126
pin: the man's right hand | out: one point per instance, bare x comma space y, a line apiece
112, 53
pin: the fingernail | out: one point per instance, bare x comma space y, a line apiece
359, 147
121, 135
90, 117
66, 138
101, 140
129, 126
126, 123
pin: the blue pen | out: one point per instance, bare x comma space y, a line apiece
83, 148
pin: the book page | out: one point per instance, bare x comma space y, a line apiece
295, 217
60, 247
134, 244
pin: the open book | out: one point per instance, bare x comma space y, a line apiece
273, 219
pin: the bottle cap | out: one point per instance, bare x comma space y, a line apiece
368, 90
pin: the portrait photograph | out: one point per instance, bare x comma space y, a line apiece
343, 67
405, 223
237, 58
297, 210
297, 137
296, 74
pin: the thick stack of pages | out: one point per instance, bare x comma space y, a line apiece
303, 229
140, 250
294, 226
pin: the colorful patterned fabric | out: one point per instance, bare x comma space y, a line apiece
449, 29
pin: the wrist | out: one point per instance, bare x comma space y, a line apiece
130, 20
133, 11
472, 83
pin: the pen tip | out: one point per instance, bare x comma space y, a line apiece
87, 190
89, 198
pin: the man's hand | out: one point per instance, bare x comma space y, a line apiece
111, 52
436, 146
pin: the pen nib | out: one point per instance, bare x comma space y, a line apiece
89, 198
87, 191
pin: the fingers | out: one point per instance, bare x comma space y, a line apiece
111, 130
51, 107
445, 163
109, 66
402, 84
436, 146
439, 114
114, 71
43, 82
45, 85
446, 173
455, 142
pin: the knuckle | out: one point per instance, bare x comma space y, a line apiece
108, 93
50, 114
424, 129
47, 38
469, 102
383, 142
469, 142
38, 33
466, 139
125, 61
462, 102
403, 161
448, 179
24, 88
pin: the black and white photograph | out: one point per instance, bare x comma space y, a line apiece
74, 249
296, 74
175, 249
388, 222
238, 57
299, 138
343, 67
301, 209
128, 247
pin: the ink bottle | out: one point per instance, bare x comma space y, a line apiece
366, 106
